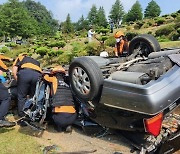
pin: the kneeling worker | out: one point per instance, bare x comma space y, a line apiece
63, 111
5, 99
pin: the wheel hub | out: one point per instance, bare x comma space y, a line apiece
81, 80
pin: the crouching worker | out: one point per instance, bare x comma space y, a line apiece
4, 95
63, 111
26, 71
121, 45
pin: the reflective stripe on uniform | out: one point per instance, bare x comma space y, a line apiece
4, 58
31, 66
20, 58
3, 66
53, 80
64, 109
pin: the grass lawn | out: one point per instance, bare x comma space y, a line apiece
171, 44
13, 141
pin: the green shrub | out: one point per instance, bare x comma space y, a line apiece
131, 35
165, 30
54, 53
110, 41
39, 43
93, 49
177, 22
104, 38
160, 21
65, 58
131, 22
166, 15
4, 50
11, 44
35, 47
178, 30
163, 39
59, 44
128, 28
174, 36
138, 25
174, 15
86, 41
104, 31
150, 23
42, 51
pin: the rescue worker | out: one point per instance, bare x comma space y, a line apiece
5, 99
121, 43
63, 110
26, 71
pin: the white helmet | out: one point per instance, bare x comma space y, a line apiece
104, 54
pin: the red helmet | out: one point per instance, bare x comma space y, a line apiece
118, 34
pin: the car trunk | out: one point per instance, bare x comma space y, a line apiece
148, 99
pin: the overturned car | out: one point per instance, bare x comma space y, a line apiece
138, 94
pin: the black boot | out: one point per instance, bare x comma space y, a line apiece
5, 123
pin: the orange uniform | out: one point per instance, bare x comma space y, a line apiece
121, 43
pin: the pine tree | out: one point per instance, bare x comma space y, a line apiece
135, 13
82, 24
102, 21
92, 15
152, 10
68, 26
116, 13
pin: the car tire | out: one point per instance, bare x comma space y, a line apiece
85, 78
146, 43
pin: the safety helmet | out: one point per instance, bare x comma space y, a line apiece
59, 69
118, 34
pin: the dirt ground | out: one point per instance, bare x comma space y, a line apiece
78, 141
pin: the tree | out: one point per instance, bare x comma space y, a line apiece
82, 24
116, 13
67, 25
102, 21
15, 20
46, 24
92, 15
152, 10
135, 13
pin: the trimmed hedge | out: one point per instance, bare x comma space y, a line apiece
165, 30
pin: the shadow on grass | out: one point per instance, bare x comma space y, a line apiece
5, 130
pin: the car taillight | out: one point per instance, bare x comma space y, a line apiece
153, 125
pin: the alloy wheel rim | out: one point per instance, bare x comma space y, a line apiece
81, 81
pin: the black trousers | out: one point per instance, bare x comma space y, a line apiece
64, 119
26, 84
5, 101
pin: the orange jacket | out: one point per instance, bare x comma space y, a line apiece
121, 46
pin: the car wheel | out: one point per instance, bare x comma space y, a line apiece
85, 78
144, 43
